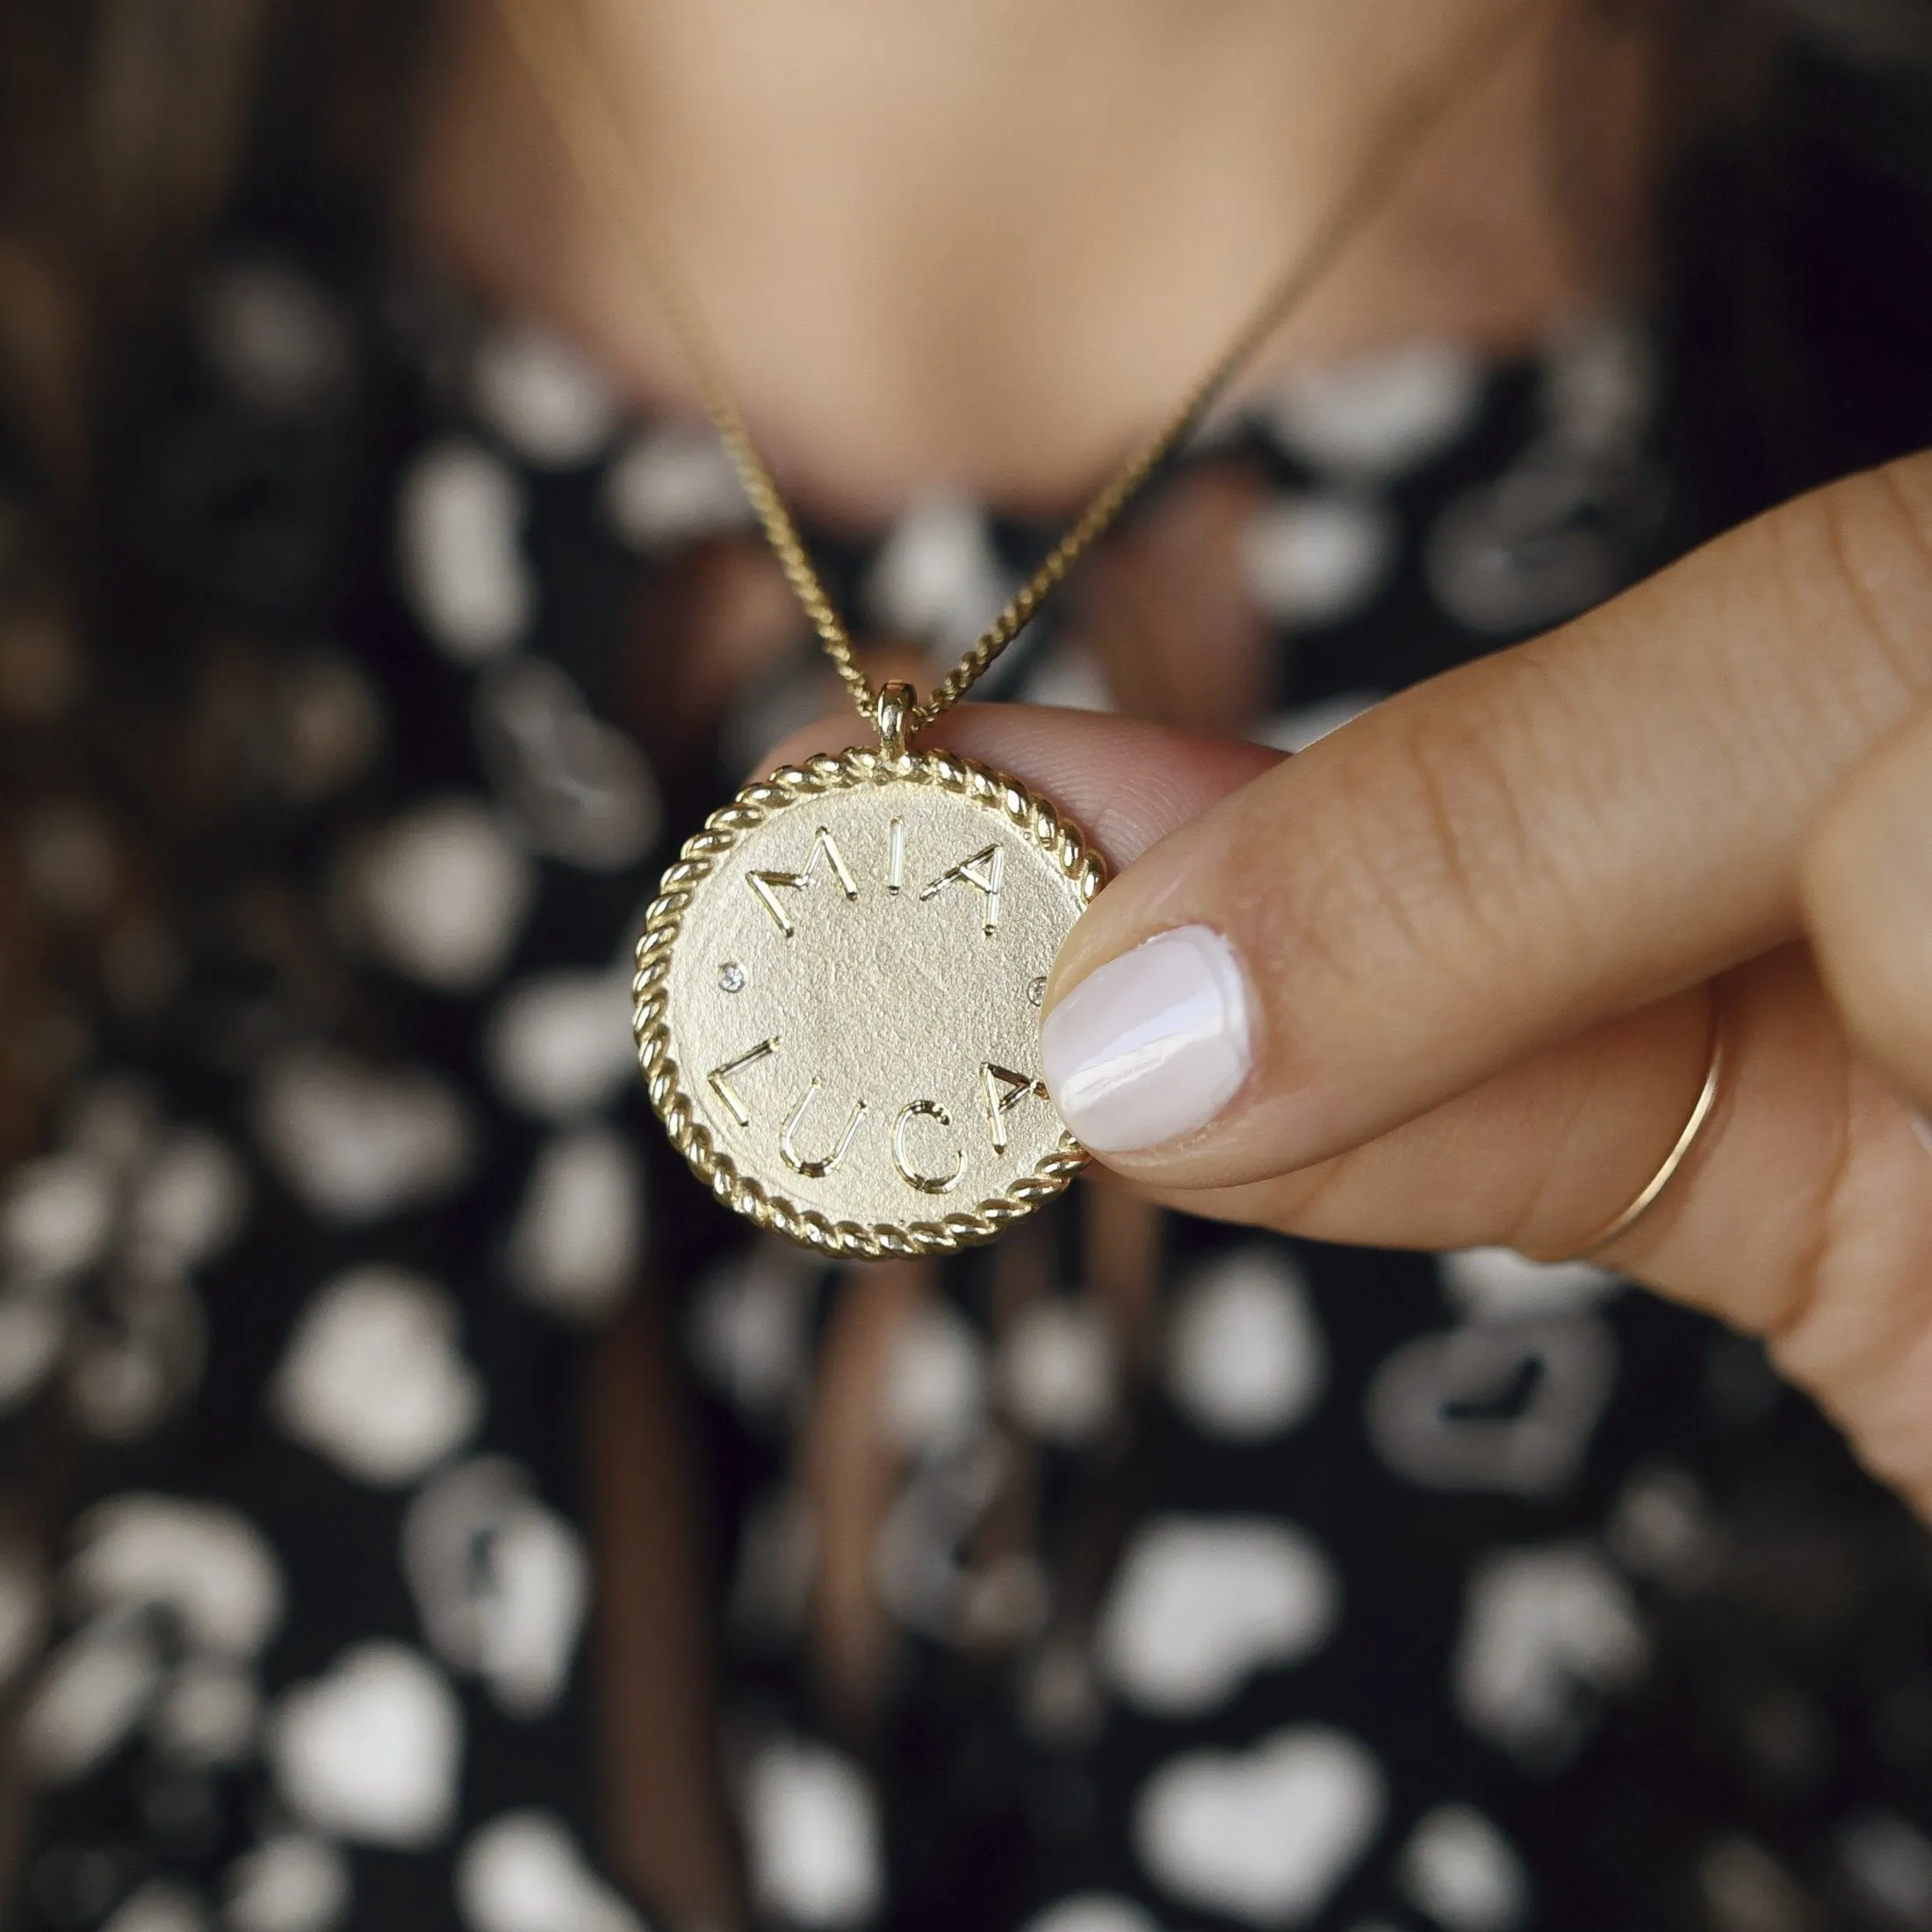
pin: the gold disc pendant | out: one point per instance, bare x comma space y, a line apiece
838, 1000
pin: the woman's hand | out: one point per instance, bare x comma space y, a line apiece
1448, 978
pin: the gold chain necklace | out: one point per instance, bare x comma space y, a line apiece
838, 983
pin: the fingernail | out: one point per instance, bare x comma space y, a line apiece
1152, 1045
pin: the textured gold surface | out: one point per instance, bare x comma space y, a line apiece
849, 1064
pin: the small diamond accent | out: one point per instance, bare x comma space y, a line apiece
732, 978
1036, 989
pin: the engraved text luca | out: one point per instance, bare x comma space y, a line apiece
984, 871
813, 1142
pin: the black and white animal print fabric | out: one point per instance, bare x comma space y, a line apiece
1315, 1588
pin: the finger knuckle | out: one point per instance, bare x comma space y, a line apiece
1883, 1014
1888, 1029
1435, 845
1857, 557
1857, 1324
1862, 891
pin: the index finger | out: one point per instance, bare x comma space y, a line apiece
1488, 863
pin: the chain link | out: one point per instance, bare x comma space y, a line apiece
559, 65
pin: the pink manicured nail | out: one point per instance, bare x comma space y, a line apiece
1152, 1045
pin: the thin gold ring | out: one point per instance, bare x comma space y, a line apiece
1614, 1229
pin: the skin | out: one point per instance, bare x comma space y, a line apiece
987, 244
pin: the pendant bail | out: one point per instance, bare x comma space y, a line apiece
896, 704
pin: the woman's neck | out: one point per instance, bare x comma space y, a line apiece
983, 244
